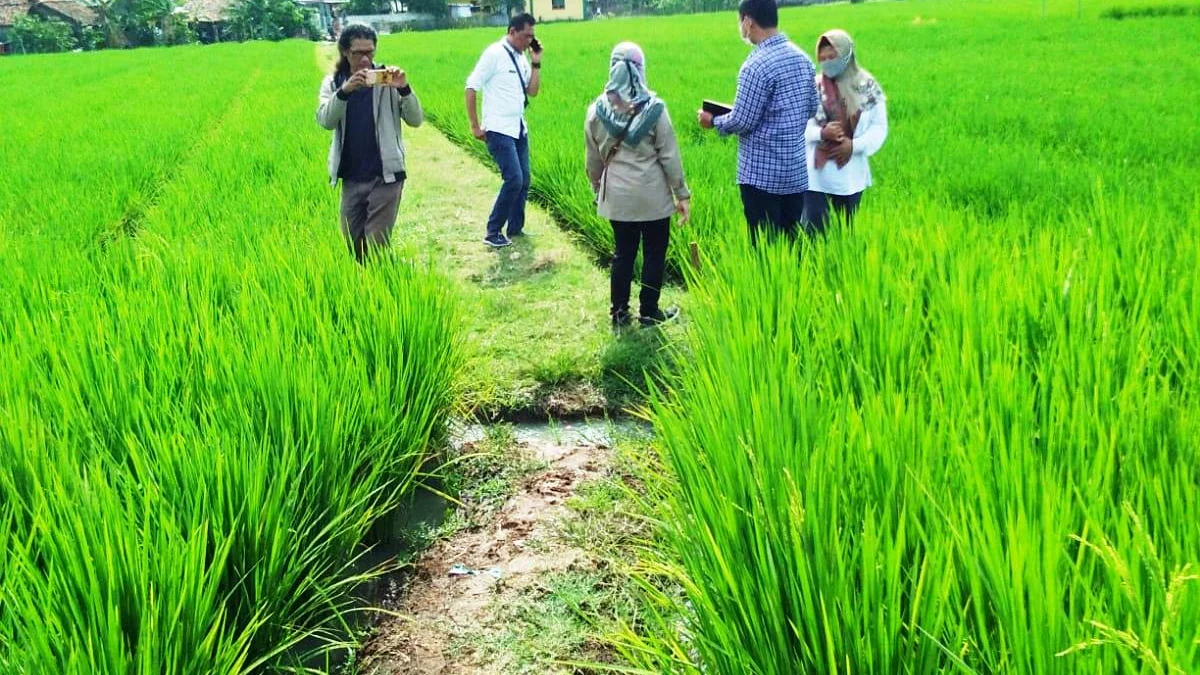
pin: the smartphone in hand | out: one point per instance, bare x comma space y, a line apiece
379, 77
535, 46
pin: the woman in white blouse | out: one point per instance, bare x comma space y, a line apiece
850, 126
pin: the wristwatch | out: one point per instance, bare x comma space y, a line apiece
535, 65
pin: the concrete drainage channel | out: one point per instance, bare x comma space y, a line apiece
597, 431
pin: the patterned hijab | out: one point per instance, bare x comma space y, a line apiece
856, 86
627, 102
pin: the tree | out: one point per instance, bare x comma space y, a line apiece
154, 22
438, 8
359, 7
110, 14
35, 34
271, 20
680, 6
90, 38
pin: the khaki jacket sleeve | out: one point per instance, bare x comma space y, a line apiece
667, 147
331, 110
408, 108
594, 162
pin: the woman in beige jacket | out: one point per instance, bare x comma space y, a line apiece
634, 167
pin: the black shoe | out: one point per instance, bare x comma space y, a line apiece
621, 322
497, 241
518, 233
659, 316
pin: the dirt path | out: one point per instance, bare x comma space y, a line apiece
536, 313
537, 322
484, 601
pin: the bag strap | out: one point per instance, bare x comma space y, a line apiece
516, 66
612, 152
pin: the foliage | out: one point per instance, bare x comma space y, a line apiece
360, 7
34, 34
203, 418
961, 436
91, 38
935, 469
1044, 154
1152, 11
154, 22
681, 6
271, 20
437, 8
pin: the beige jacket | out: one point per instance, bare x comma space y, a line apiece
642, 182
390, 108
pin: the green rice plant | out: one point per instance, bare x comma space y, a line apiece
83, 163
943, 441
993, 109
960, 437
913, 463
205, 415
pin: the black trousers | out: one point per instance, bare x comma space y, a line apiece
653, 236
775, 214
817, 207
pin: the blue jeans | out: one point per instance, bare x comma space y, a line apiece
512, 156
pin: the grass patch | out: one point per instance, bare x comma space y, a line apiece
483, 475
537, 312
547, 629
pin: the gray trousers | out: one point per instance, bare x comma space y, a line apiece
369, 213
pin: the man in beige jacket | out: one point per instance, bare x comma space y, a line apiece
634, 166
362, 103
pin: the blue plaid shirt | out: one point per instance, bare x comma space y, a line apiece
776, 96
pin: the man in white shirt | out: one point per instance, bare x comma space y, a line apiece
507, 79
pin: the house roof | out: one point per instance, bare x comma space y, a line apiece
11, 10
71, 9
210, 11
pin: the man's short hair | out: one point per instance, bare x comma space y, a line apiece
518, 22
765, 13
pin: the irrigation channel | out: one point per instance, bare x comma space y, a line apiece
476, 555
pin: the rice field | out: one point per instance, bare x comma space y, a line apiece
996, 113
964, 436
205, 406
961, 438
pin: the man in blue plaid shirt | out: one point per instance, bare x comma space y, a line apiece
776, 96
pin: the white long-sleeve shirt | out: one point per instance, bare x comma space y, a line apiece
503, 98
855, 176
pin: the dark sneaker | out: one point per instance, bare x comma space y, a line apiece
519, 233
659, 316
497, 241
621, 320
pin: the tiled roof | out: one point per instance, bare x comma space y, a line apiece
71, 9
10, 10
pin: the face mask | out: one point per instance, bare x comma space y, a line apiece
835, 67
